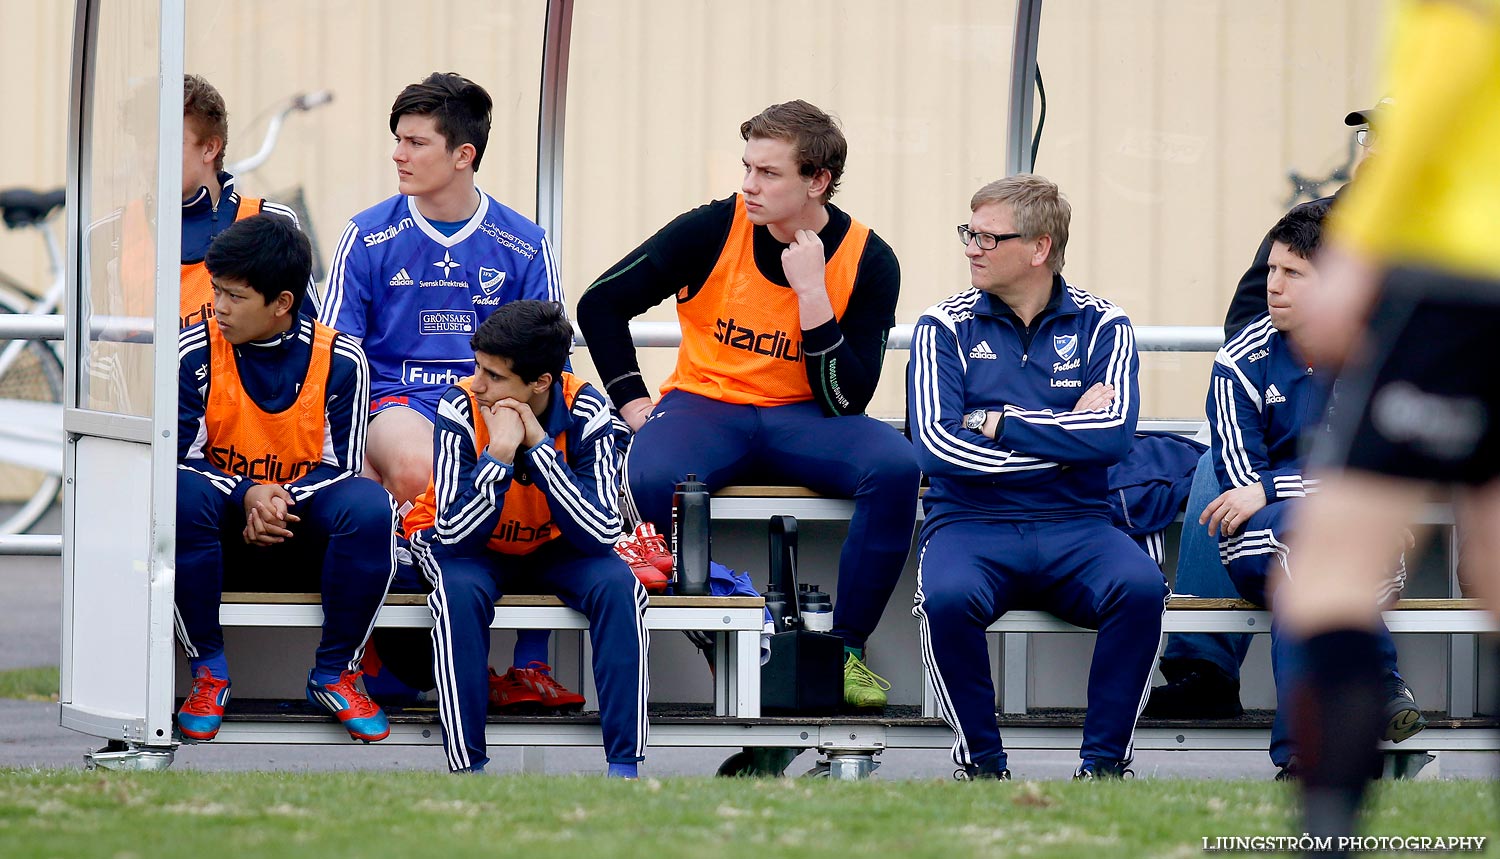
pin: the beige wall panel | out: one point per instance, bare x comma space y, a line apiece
35, 40
921, 91
1172, 124
365, 52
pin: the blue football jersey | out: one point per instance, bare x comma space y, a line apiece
413, 296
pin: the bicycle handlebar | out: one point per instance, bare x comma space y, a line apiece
300, 102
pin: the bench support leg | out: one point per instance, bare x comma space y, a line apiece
1463, 675
1406, 765
1014, 689
118, 755
723, 681
845, 766
747, 674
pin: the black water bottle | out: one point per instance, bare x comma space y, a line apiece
776, 607
691, 537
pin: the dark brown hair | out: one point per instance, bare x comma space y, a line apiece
817, 141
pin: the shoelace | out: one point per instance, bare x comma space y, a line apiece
630, 550
203, 698
359, 705
862, 675
541, 677
651, 541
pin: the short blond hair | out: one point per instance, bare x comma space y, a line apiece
1038, 207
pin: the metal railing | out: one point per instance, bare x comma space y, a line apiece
1148, 338
21, 326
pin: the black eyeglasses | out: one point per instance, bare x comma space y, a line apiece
986, 241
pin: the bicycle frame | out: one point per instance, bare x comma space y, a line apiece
48, 301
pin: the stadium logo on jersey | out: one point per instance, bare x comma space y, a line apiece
269, 468
983, 350
442, 372
775, 344
448, 322
1065, 345
447, 264
490, 279
1274, 396
402, 279
1256, 356
385, 235
516, 531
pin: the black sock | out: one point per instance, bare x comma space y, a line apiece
1336, 721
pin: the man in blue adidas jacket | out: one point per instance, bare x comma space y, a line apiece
1263, 395
1022, 393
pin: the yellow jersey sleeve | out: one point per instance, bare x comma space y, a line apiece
1430, 195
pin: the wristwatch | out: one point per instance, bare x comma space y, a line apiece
975, 420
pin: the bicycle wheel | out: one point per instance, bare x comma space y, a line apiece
29, 487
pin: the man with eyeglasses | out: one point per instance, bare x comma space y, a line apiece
1202, 669
785, 302
1022, 392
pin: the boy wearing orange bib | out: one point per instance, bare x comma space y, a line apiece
785, 302
271, 426
524, 499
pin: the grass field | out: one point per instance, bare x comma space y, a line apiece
29, 684
407, 815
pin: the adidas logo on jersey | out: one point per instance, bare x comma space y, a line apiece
402, 279
983, 350
1274, 396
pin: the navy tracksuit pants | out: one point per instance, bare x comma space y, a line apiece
1083, 571
344, 548
601, 587
854, 457
1258, 553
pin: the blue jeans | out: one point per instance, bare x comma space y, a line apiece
1201, 573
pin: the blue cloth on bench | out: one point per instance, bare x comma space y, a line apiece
1148, 488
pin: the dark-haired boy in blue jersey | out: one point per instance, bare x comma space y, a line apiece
411, 280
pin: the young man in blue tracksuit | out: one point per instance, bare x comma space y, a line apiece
525, 498
1022, 393
1263, 396
270, 434
1203, 668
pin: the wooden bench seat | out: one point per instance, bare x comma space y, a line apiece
735, 622
1199, 614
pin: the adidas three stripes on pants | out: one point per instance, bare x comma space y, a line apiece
601, 587
1085, 572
